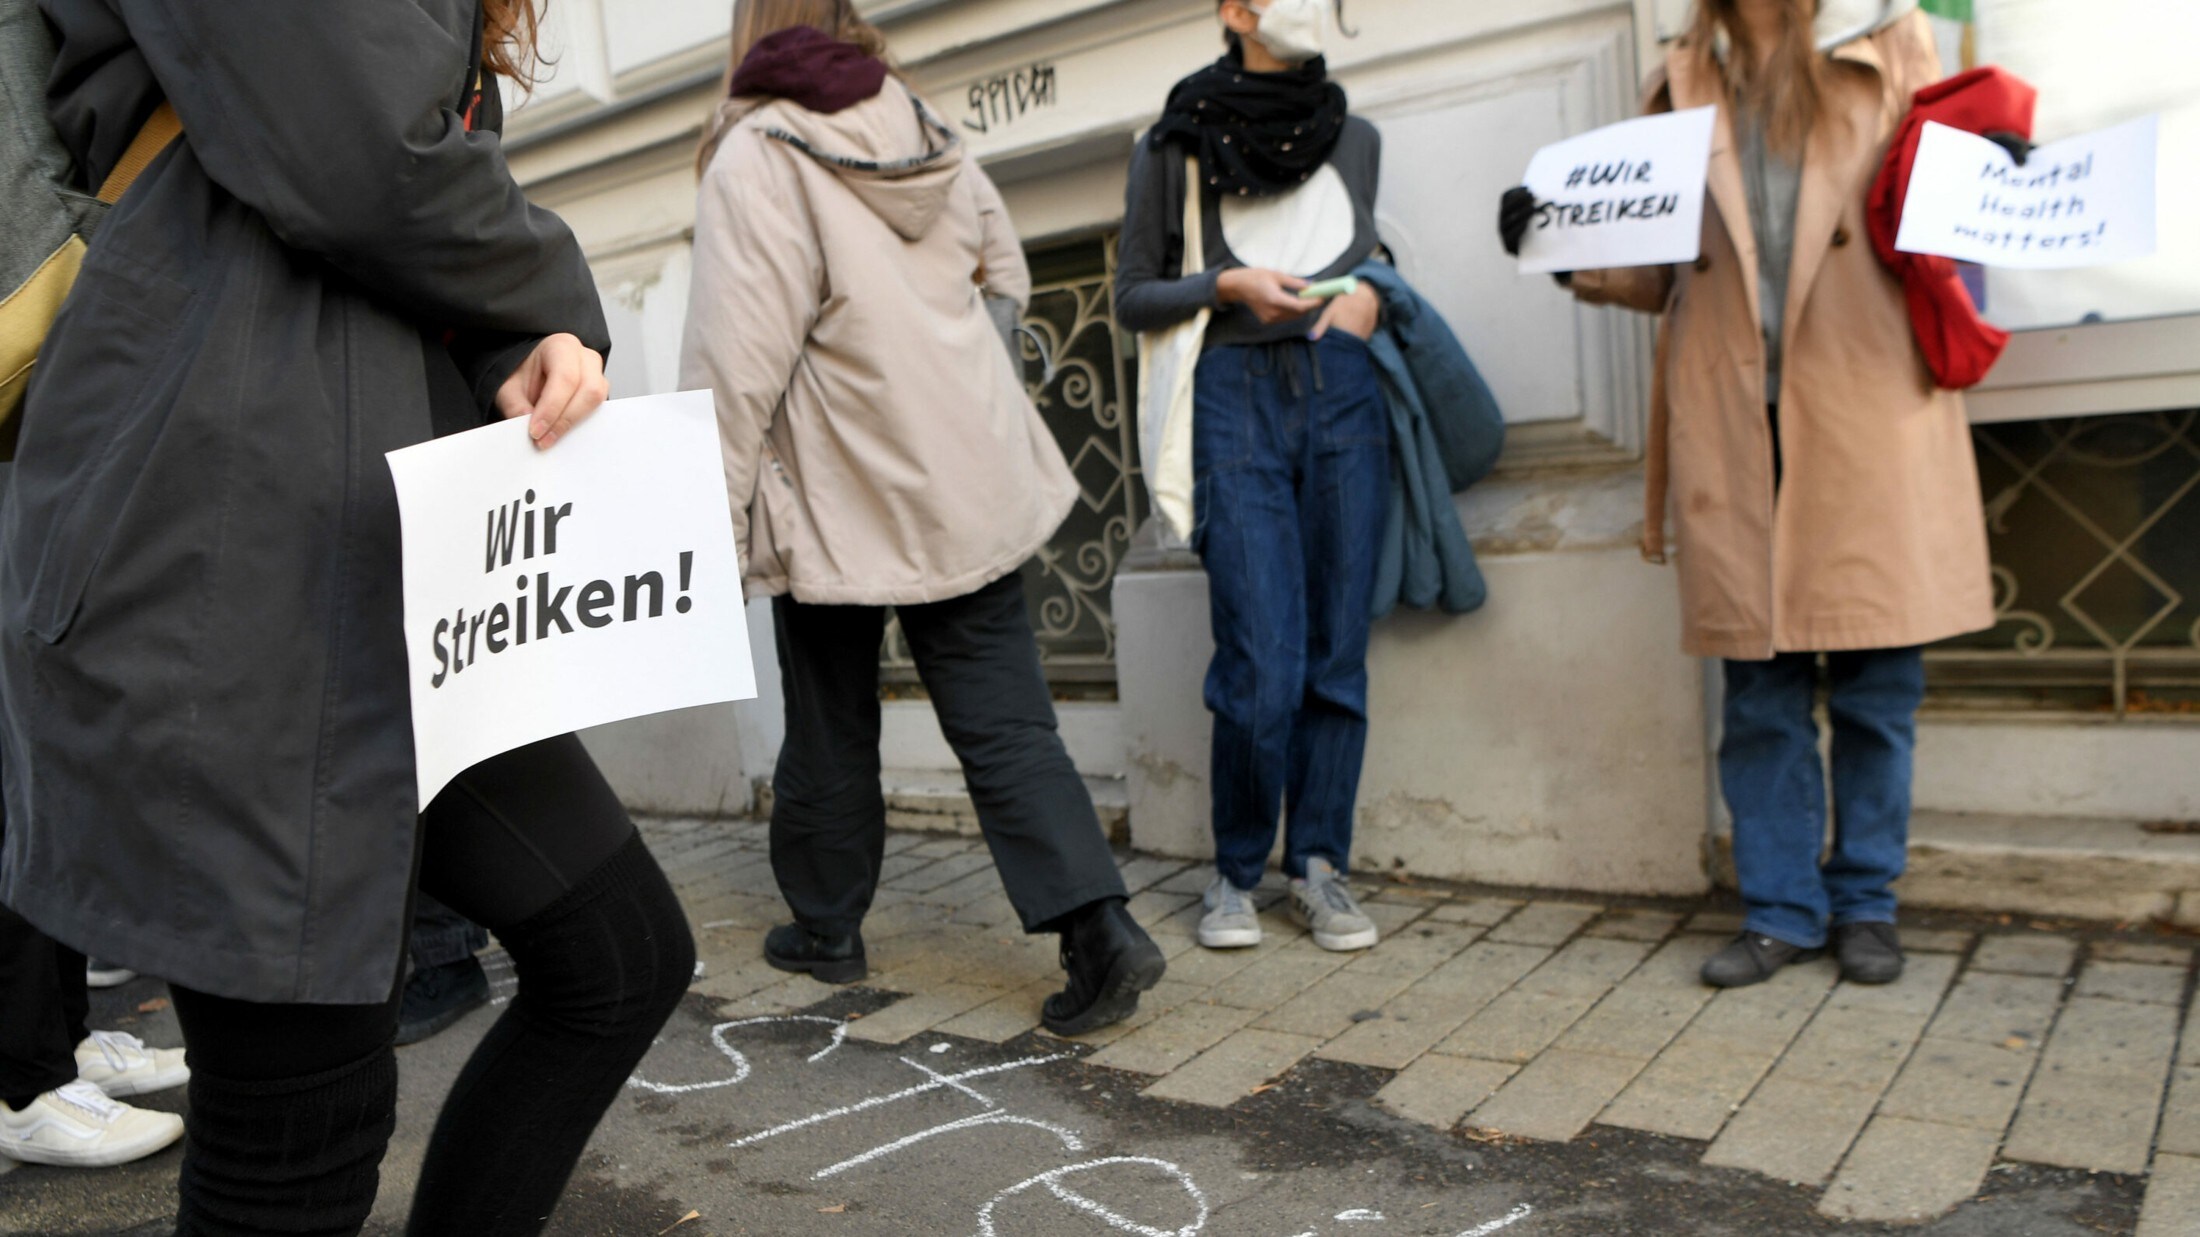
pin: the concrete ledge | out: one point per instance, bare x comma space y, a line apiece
684, 763
1554, 739
2072, 867
930, 802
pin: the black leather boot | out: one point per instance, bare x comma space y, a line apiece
1110, 960
827, 959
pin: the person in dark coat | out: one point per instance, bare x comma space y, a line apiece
203, 686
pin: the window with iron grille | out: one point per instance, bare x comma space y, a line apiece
1080, 373
2095, 532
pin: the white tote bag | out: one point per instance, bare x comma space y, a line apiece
1166, 361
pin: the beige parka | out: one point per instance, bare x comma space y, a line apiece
879, 446
1876, 537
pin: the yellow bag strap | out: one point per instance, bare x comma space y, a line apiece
161, 129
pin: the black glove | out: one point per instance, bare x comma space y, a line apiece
2015, 143
1514, 212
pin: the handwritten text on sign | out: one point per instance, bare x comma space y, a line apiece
1629, 194
547, 591
2084, 201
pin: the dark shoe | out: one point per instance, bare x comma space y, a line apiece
827, 959
437, 997
1110, 960
1869, 953
1753, 959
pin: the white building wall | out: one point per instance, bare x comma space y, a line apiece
1556, 738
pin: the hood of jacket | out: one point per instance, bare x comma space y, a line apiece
1845, 21
897, 157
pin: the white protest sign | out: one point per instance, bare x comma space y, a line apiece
2083, 201
1629, 194
546, 591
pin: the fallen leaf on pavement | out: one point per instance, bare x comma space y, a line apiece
692, 1215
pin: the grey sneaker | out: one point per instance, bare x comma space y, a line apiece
1322, 903
1231, 921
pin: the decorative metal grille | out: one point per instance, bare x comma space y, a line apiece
1079, 373
2095, 533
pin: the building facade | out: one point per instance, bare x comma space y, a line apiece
1558, 737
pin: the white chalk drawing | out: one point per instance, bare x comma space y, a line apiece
1052, 1180
1515, 1216
1070, 1140
993, 1115
741, 1062
939, 1081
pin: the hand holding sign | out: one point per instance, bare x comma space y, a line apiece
547, 591
1629, 194
2084, 201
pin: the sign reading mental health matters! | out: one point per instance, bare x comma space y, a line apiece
547, 591
1629, 194
2084, 201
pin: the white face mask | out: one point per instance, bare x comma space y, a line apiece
1292, 30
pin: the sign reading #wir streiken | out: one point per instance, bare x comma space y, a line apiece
548, 591
1629, 194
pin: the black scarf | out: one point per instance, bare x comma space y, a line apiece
1256, 134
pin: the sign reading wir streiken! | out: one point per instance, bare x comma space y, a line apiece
504, 625
548, 591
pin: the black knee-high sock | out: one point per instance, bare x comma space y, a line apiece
600, 970
294, 1156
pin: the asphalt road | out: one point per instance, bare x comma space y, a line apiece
774, 1128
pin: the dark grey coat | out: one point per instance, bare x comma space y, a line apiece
208, 750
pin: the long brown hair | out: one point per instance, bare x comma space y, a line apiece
753, 20
511, 40
1788, 90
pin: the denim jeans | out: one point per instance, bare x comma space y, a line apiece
441, 936
1291, 451
1775, 786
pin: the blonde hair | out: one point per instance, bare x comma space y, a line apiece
1788, 90
755, 20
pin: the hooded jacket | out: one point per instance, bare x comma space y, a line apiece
203, 689
879, 447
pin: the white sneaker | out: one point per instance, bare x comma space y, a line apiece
1231, 921
1323, 903
121, 1065
77, 1126
98, 974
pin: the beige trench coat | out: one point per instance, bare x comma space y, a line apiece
879, 447
1876, 537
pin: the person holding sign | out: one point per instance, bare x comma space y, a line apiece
880, 451
203, 677
1290, 440
1825, 496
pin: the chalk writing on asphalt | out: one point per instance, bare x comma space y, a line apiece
1056, 1183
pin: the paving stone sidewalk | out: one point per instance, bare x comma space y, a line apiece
1517, 1018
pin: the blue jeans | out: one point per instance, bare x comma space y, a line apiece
1775, 786
1291, 450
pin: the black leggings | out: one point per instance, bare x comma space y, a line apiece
292, 1105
